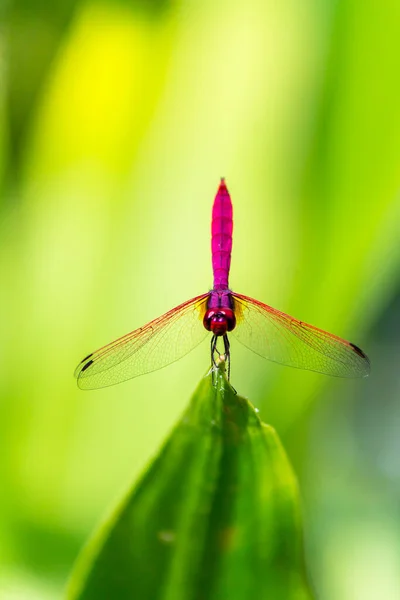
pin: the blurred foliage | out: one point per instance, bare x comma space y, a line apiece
116, 121
215, 516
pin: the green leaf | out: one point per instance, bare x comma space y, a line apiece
216, 515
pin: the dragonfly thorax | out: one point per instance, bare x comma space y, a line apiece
219, 320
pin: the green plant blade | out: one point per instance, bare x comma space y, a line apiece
215, 516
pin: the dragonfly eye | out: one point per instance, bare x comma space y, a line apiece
219, 321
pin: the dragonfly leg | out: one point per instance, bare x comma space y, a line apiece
215, 354
213, 350
213, 361
227, 354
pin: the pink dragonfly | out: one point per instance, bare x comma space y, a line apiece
263, 329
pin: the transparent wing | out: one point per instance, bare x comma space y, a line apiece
283, 339
157, 344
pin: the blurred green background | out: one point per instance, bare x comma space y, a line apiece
116, 121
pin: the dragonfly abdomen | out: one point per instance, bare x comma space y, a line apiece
221, 236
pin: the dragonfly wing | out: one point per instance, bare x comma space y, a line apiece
283, 339
157, 344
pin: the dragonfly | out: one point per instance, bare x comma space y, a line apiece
266, 331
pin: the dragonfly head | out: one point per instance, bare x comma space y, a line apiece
219, 320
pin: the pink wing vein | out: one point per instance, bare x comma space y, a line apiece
283, 339
156, 345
